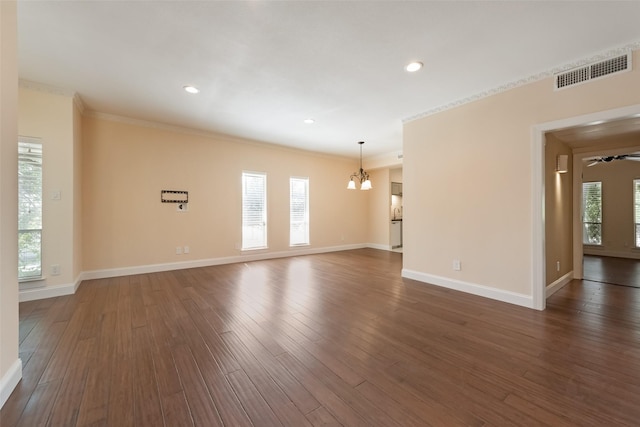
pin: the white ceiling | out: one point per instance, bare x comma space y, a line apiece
263, 66
597, 134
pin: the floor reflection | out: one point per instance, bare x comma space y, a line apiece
618, 271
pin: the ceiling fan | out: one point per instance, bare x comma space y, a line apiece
607, 159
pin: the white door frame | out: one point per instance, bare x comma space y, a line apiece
538, 272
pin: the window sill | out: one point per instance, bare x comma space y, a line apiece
300, 245
262, 248
33, 282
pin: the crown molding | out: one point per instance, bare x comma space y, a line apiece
42, 87
527, 80
78, 103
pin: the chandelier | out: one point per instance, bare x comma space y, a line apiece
361, 176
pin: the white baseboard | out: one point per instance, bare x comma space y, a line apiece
69, 289
559, 284
49, 291
379, 246
9, 381
471, 288
252, 256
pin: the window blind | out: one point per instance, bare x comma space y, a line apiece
254, 210
299, 211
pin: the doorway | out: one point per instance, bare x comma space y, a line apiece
589, 124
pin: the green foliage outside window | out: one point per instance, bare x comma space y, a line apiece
592, 213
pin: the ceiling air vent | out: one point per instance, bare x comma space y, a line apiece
593, 71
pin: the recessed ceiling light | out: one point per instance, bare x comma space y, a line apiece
309, 121
191, 89
413, 67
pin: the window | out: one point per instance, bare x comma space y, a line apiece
636, 210
254, 210
592, 213
299, 211
29, 209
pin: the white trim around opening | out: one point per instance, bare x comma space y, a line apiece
537, 194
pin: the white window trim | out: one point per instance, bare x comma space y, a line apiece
307, 212
265, 213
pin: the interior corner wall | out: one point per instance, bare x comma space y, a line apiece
52, 118
126, 164
469, 172
558, 212
379, 198
76, 268
10, 365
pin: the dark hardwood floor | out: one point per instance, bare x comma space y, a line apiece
618, 271
330, 339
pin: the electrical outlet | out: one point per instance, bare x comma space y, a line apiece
186, 250
178, 250
457, 265
55, 269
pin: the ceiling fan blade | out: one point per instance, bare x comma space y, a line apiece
593, 163
634, 158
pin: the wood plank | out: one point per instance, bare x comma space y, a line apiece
229, 407
148, 410
320, 417
338, 408
277, 400
330, 339
40, 406
69, 396
95, 400
203, 409
253, 402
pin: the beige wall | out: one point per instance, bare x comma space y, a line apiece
53, 118
379, 198
468, 181
10, 370
558, 212
617, 207
126, 164
395, 175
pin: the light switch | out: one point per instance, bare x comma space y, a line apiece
56, 195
